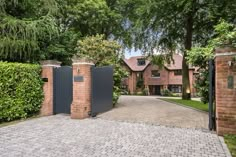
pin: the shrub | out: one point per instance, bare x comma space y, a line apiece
21, 92
103, 53
166, 92
145, 91
139, 83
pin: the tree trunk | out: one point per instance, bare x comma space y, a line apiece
186, 91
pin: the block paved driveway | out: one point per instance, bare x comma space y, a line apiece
152, 110
60, 136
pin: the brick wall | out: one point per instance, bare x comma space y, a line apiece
149, 80
47, 72
225, 97
166, 78
175, 79
81, 105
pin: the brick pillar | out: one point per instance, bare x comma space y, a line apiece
225, 93
81, 105
47, 74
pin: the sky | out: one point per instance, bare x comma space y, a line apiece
129, 53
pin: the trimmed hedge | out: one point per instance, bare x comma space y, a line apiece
21, 92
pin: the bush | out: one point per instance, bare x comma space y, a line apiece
103, 53
21, 92
139, 83
166, 92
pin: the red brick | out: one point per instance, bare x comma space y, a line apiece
225, 97
47, 72
81, 104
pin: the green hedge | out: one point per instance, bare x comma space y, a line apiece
21, 91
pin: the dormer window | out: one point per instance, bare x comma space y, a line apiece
141, 62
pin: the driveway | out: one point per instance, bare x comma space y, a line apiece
151, 110
60, 136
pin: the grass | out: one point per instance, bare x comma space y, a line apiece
191, 103
230, 140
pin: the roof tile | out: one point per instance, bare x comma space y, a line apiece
132, 63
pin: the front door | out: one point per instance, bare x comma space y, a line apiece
157, 90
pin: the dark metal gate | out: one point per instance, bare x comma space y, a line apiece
212, 122
102, 89
62, 89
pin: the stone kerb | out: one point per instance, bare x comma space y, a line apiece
47, 75
225, 91
81, 104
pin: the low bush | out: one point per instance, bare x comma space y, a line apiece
21, 92
166, 92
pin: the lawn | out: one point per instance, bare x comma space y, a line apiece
230, 140
191, 103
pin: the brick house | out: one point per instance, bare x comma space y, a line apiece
142, 73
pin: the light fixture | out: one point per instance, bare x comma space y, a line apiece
230, 63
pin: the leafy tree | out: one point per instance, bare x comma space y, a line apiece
80, 18
31, 30
91, 17
24, 27
169, 25
103, 52
225, 34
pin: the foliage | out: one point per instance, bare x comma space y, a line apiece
33, 30
165, 26
166, 92
139, 83
230, 140
62, 47
21, 92
103, 53
225, 34
24, 26
145, 91
191, 103
80, 18
91, 17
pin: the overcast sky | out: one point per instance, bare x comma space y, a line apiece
132, 52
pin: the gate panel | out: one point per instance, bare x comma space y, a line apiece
212, 122
62, 89
102, 89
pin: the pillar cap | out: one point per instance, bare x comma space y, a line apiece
50, 63
226, 48
80, 61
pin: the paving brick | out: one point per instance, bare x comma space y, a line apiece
61, 136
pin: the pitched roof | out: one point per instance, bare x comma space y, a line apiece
177, 64
132, 63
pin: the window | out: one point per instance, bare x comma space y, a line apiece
139, 75
155, 73
178, 72
141, 61
175, 88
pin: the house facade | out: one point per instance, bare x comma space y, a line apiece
144, 75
